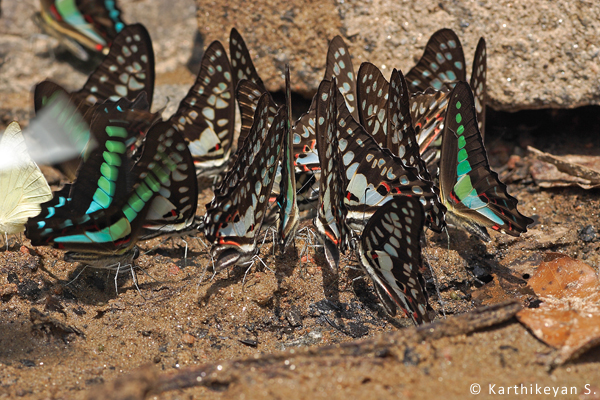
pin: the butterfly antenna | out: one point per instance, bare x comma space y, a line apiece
80, 272
134, 277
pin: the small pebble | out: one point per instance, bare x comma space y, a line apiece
587, 233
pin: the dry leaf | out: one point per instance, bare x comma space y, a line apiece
568, 318
561, 171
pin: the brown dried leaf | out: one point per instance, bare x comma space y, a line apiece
561, 171
568, 318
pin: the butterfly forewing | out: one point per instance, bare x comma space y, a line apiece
206, 116
339, 65
248, 93
127, 70
472, 192
22, 185
331, 215
373, 92
441, 66
390, 252
234, 217
478, 83
241, 63
374, 175
402, 138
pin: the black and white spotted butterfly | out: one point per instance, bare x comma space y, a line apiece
384, 111
235, 215
390, 253
437, 72
331, 215
374, 175
338, 65
206, 115
125, 72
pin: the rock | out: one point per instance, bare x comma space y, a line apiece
587, 233
540, 54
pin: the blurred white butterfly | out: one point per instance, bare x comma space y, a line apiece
22, 185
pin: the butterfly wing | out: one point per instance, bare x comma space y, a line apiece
339, 65
22, 185
472, 192
234, 216
373, 92
478, 83
441, 66
126, 71
289, 215
374, 175
241, 62
206, 116
104, 15
390, 252
331, 215
173, 209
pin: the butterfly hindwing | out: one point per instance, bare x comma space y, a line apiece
473, 194
390, 252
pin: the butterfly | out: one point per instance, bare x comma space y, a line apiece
384, 112
331, 215
439, 69
374, 175
235, 215
338, 65
390, 252
206, 115
22, 185
126, 71
470, 190
85, 27
289, 213
99, 221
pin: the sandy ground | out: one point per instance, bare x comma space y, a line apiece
296, 329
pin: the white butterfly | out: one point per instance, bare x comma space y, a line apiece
22, 185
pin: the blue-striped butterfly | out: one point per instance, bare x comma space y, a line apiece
86, 28
99, 217
470, 190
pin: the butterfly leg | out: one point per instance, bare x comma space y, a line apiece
80, 272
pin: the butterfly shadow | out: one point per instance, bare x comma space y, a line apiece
481, 264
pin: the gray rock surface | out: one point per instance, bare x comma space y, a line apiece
540, 53
28, 57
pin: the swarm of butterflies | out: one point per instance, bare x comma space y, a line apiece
372, 161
